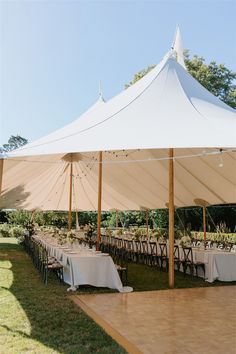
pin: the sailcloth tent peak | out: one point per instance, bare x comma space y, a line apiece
166, 108
178, 48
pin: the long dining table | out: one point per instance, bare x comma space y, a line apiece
219, 264
84, 266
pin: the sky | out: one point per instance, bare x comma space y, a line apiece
54, 53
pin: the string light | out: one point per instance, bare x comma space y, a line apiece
221, 164
95, 160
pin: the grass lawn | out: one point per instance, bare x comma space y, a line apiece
39, 319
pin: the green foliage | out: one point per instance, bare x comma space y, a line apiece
18, 217
160, 218
215, 78
17, 231
215, 237
139, 75
5, 230
14, 142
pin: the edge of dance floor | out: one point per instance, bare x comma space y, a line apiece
127, 345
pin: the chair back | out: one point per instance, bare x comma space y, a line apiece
153, 247
188, 254
144, 245
163, 248
128, 245
176, 252
137, 245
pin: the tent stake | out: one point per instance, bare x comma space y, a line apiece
204, 224
70, 196
1, 173
99, 199
171, 219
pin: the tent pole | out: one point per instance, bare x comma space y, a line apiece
171, 219
116, 220
70, 196
99, 198
76, 220
1, 174
147, 221
204, 224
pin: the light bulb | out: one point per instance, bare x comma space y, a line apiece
221, 160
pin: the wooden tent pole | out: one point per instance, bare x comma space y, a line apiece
171, 219
1, 174
204, 224
70, 195
116, 220
76, 220
99, 198
147, 221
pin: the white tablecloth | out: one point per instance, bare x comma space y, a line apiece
87, 267
218, 264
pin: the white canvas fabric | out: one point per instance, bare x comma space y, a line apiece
178, 48
42, 182
166, 108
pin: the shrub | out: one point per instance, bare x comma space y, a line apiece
5, 230
17, 231
215, 237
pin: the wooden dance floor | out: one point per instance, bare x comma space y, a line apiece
199, 320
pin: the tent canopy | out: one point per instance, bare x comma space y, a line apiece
166, 108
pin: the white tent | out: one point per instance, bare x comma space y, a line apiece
166, 108
136, 131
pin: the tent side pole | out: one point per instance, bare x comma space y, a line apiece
147, 221
99, 198
1, 174
70, 196
171, 219
204, 223
76, 220
116, 220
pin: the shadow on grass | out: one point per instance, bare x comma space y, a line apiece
55, 323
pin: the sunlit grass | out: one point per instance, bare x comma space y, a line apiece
39, 319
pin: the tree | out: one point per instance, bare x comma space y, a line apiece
220, 82
139, 75
215, 78
14, 142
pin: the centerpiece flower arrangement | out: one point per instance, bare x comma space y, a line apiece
185, 241
55, 232
71, 236
108, 232
89, 230
138, 234
161, 239
62, 239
